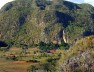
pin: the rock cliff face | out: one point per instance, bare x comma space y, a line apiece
65, 37
80, 58
31, 21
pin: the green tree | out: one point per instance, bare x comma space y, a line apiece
64, 46
47, 46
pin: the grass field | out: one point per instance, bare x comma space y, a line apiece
24, 59
10, 66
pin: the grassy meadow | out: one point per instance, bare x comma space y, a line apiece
19, 60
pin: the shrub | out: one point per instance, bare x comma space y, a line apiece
46, 46
32, 68
48, 67
34, 61
64, 46
14, 58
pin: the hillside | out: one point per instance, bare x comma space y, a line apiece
79, 58
32, 21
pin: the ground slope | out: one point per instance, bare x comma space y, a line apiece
80, 58
31, 21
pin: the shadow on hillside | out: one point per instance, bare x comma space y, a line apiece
22, 19
63, 18
9, 6
3, 44
88, 33
92, 16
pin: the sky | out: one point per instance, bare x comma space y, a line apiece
3, 2
83, 1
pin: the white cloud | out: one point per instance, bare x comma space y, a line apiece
83, 1
3, 2
89, 1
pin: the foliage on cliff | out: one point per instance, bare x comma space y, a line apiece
32, 21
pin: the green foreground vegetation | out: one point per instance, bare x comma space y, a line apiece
33, 58
79, 58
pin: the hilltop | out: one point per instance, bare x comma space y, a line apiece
31, 21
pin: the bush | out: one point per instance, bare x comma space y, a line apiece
2, 48
64, 46
48, 67
47, 46
14, 58
32, 68
41, 4
34, 61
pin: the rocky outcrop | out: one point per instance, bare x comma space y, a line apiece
80, 58
81, 63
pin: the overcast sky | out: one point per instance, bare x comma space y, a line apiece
2, 2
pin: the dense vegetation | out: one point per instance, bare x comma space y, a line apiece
54, 27
79, 58
50, 46
30, 22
